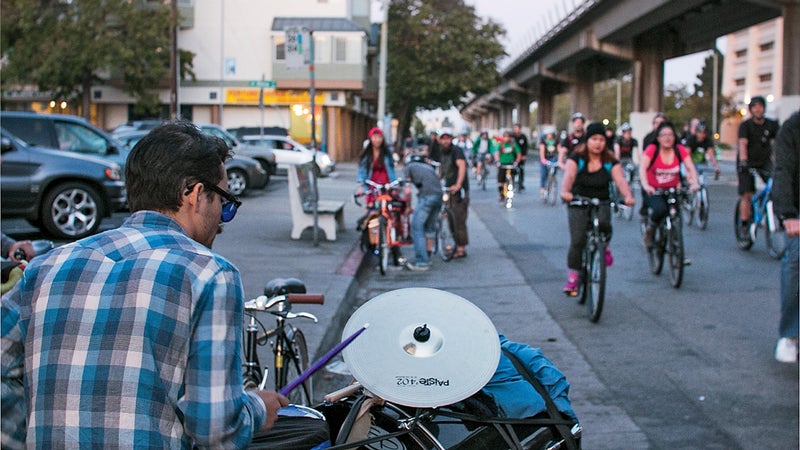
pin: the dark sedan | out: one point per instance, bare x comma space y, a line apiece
243, 172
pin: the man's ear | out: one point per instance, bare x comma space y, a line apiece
192, 196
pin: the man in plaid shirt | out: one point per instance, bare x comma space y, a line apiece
132, 338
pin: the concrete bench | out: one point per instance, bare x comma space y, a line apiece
330, 213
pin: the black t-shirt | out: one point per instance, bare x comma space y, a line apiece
522, 143
698, 148
592, 184
626, 147
759, 140
450, 168
572, 141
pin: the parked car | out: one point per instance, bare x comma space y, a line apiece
262, 154
63, 132
136, 125
288, 151
66, 195
241, 132
243, 172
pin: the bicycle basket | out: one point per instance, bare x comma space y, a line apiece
373, 229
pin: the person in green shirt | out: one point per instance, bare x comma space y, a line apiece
506, 154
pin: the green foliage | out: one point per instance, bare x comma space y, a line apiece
66, 47
680, 105
439, 51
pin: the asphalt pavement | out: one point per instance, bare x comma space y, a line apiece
258, 243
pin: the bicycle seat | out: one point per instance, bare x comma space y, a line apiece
282, 286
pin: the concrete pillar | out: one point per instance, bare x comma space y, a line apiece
507, 115
650, 51
790, 95
523, 111
547, 111
581, 93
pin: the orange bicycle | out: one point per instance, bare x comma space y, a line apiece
387, 223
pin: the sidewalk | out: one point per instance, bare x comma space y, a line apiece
258, 243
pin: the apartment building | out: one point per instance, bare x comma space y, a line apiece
753, 66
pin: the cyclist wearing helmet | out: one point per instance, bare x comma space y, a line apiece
429, 201
701, 147
625, 146
755, 152
572, 140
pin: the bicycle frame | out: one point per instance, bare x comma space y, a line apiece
762, 217
592, 282
284, 336
397, 227
669, 237
508, 184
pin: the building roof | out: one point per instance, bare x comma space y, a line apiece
317, 24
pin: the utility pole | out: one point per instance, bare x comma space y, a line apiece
173, 61
380, 15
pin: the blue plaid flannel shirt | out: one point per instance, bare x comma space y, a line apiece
132, 339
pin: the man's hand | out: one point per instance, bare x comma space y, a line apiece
273, 401
792, 227
25, 246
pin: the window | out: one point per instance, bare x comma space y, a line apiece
766, 46
765, 77
280, 49
741, 53
340, 49
739, 82
77, 138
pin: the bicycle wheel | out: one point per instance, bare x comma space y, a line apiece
742, 239
776, 240
383, 246
702, 208
583, 277
656, 252
445, 242
675, 249
596, 283
689, 207
552, 189
294, 362
509, 190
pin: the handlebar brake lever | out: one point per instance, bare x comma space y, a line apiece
304, 315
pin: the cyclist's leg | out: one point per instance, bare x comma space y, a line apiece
542, 178
747, 186
604, 219
578, 219
658, 211
521, 175
501, 181
426, 208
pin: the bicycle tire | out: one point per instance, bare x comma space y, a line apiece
596, 283
742, 241
656, 252
295, 363
702, 208
688, 209
383, 246
776, 241
552, 190
446, 243
676, 255
508, 191
583, 278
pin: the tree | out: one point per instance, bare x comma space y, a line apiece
680, 105
439, 52
66, 47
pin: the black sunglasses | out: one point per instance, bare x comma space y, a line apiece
230, 203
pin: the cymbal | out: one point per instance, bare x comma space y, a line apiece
423, 348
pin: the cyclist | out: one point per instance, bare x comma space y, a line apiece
649, 138
755, 152
429, 201
506, 154
701, 146
572, 140
548, 152
589, 170
482, 148
626, 147
522, 142
661, 169
375, 164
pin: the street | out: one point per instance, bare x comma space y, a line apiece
663, 368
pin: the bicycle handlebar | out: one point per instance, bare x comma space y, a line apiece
579, 200
263, 303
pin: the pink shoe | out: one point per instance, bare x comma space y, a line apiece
609, 258
571, 287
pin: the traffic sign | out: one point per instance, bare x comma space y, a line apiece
262, 83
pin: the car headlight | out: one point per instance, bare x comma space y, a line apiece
113, 173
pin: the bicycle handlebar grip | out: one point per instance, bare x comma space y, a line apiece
306, 298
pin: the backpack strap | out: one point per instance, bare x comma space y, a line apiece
552, 410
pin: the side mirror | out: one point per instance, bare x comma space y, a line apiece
6, 145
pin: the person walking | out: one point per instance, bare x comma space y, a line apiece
133, 337
522, 143
429, 202
755, 152
589, 170
454, 174
786, 201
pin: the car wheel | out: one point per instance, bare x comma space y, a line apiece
237, 182
71, 211
267, 168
